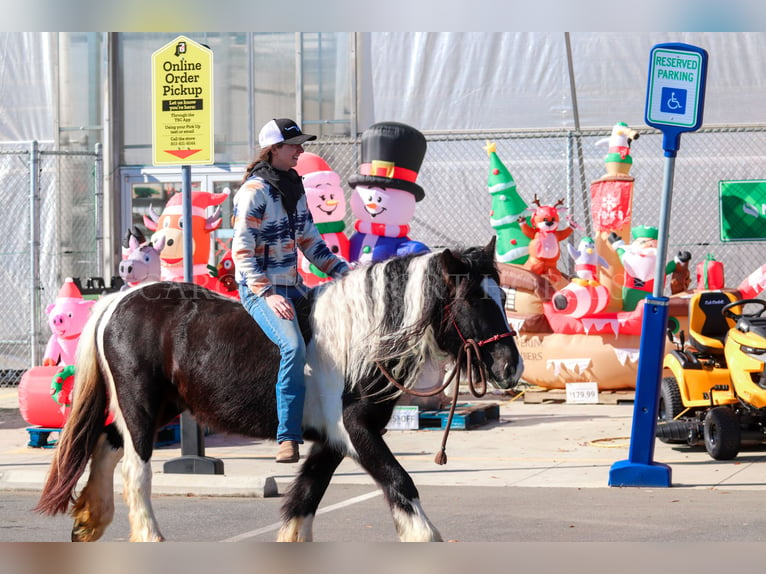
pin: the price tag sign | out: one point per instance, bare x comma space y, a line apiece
582, 393
675, 93
404, 417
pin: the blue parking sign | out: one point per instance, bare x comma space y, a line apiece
675, 92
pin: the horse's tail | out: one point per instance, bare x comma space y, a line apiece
85, 423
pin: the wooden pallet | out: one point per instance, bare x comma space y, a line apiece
538, 396
467, 416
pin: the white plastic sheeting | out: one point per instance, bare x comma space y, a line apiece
456, 80
27, 87
512, 80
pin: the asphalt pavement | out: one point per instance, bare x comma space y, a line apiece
552, 449
551, 444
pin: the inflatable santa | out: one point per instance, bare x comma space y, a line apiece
385, 192
639, 259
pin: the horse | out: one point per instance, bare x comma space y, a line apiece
149, 353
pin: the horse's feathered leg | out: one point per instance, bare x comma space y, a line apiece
137, 492
372, 452
93, 510
306, 492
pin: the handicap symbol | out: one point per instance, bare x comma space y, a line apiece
673, 101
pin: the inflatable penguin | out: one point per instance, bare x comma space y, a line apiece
385, 192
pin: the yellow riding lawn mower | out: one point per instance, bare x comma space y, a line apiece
716, 391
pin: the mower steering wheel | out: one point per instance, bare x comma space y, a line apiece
729, 314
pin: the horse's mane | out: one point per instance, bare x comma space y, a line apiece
389, 312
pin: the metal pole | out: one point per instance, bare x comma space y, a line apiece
356, 39
186, 213
664, 230
192, 459
98, 178
299, 78
251, 129
34, 248
578, 137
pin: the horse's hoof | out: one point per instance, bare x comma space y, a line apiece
83, 533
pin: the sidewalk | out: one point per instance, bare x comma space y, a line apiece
531, 445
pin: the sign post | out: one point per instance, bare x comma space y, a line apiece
182, 130
675, 98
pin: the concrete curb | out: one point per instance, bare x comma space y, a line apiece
164, 484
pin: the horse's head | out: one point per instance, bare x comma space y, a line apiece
476, 312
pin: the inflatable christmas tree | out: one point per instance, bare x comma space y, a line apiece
507, 207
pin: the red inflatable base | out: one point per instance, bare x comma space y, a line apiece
36, 404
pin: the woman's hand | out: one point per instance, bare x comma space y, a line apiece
280, 305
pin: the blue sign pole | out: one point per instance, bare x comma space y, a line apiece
675, 98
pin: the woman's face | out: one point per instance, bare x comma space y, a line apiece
285, 156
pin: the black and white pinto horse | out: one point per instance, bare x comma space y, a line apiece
149, 353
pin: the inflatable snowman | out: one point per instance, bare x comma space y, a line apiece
327, 204
385, 192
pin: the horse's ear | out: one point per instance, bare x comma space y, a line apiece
452, 266
489, 249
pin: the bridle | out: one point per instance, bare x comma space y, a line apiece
469, 350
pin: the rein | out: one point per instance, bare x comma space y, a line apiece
469, 350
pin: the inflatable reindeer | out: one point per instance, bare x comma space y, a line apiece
544, 234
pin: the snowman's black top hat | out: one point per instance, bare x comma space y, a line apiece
392, 154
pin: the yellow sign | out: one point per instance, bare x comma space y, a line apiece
182, 104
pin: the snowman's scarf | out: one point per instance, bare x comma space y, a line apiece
381, 229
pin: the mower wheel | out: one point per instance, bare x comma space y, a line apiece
723, 435
671, 405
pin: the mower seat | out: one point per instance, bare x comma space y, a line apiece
707, 325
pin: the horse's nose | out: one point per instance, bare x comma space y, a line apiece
509, 371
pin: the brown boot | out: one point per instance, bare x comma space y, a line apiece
288, 451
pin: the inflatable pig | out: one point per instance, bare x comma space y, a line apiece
66, 318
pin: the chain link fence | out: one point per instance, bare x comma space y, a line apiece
555, 164
52, 230
53, 226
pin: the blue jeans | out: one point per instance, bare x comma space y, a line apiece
286, 334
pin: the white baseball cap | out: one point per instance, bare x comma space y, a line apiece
282, 130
